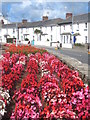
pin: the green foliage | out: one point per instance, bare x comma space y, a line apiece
9, 40
26, 39
37, 31
79, 44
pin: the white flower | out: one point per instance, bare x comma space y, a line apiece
2, 104
2, 112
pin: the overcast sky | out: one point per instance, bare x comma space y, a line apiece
33, 10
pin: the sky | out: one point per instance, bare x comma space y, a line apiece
33, 10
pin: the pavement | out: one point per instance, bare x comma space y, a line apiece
76, 58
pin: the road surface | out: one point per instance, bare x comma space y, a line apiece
80, 54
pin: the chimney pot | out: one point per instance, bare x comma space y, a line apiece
68, 15
24, 21
45, 18
2, 22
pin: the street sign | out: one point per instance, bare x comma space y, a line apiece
72, 32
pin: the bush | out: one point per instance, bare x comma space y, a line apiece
9, 40
79, 44
26, 39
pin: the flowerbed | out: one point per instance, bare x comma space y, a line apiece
59, 92
24, 49
11, 71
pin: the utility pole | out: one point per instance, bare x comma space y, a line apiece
72, 28
72, 22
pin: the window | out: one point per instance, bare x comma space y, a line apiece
67, 38
13, 30
85, 25
61, 38
51, 37
64, 39
70, 26
70, 39
40, 37
85, 39
64, 27
21, 37
51, 28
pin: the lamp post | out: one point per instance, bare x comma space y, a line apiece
72, 24
72, 28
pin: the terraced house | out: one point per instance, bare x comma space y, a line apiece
50, 32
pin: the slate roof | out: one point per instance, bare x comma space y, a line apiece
77, 19
51, 22
11, 25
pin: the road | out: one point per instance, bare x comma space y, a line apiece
77, 53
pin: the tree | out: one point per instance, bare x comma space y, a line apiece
37, 32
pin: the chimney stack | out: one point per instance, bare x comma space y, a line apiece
2, 22
24, 21
45, 18
68, 15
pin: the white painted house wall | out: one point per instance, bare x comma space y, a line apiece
65, 39
83, 32
53, 34
8, 31
77, 28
